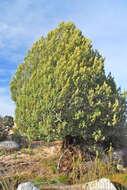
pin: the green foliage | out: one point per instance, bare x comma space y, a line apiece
8, 121
61, 89
3, 132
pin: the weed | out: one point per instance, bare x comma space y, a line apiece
27, 151
6, 184
2, 152
84, 171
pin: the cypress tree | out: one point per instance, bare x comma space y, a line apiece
61, 89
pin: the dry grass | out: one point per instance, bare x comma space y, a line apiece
39, 165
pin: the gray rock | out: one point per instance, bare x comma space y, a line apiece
9, 145
27, 186
120, 156
101, 184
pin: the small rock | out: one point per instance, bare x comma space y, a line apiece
101, 184
9, 145
118, 155
27, 186
120, 168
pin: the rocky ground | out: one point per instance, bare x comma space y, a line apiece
28, 160
38, 164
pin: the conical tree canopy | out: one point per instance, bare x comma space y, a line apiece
61, 89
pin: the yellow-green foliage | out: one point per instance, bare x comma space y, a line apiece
83, 171
61, 89
119, 178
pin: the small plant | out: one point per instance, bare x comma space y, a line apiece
27, 151
15, 155
2, 153
63, 179
77, 168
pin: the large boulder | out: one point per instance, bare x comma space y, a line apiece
9, 145
27, 186
101, 184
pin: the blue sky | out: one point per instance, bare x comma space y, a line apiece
22, 22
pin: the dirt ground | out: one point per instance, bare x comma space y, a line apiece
28, 160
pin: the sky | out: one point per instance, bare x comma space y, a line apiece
22, 22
